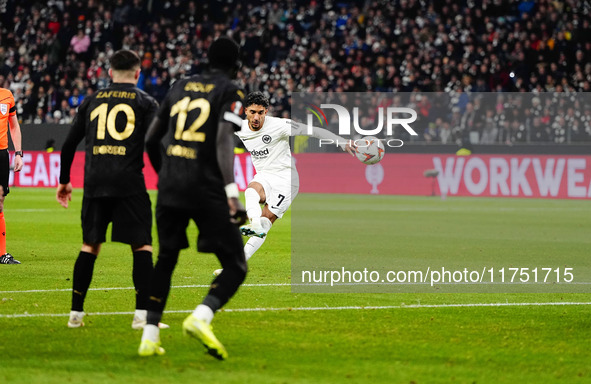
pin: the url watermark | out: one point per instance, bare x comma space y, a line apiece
432, 277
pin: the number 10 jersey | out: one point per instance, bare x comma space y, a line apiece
114, 122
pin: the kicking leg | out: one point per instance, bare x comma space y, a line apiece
254, 243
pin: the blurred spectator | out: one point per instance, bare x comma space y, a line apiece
80, 44
460, 48
76, 99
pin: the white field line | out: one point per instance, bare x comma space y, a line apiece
301, 285
127, 288
342, 308
296, 284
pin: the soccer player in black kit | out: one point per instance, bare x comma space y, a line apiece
114, 121
191, 146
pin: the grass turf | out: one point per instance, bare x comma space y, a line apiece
408, 342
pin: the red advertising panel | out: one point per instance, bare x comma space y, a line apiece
42, 169
551, 176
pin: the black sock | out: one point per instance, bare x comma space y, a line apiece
225, 285
142, 275
154, 317
212, 302
82, 277
160, 284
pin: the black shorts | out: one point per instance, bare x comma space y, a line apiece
4, 170
131, 217
216, 232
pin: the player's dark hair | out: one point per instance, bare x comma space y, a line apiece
256, 98
125, 60
224, 53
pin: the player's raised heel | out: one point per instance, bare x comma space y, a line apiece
249, 230
150, 348
202, 331
217, 272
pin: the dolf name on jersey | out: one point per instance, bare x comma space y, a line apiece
260, 154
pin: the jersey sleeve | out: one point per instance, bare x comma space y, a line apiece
163, 113
79, 123
151, 112
11, 105
295, 129
75, 136
285, 128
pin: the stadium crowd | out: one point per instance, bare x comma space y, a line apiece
54, 53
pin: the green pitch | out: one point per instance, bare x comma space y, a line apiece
276, 336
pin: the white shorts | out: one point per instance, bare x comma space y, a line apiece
279, 191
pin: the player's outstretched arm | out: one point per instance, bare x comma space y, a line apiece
298, 129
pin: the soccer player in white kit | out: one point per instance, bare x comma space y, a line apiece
276, 182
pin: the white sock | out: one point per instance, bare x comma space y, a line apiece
203, 312
266, 224
77, 314
253, 208
141, 314
151, 332
254, 243
256, 222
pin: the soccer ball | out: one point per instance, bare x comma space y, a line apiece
369, 150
